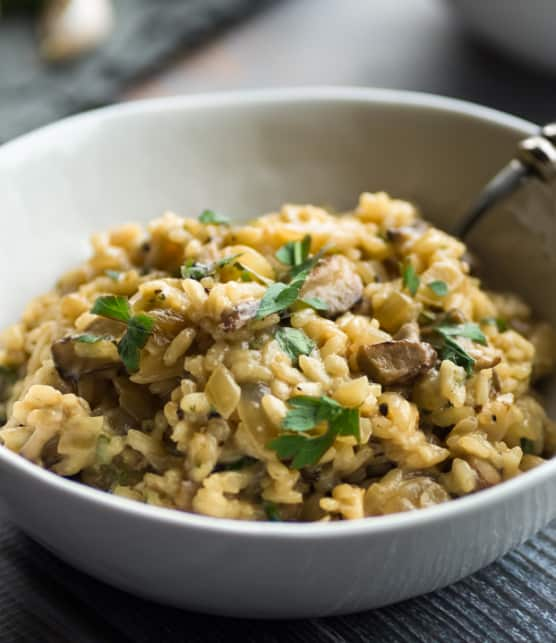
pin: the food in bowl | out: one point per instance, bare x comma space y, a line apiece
306, 366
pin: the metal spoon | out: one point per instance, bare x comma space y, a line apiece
511, 227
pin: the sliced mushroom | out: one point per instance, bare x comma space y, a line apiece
335, 281
240, 315
396, 361
73, 359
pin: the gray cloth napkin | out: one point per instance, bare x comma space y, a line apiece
148, 32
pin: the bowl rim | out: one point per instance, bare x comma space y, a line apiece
269, 97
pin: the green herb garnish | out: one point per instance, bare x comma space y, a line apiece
305, 414
113, 307
527, 446
139, 328
453, 352
294, 253
315, 302
194, 270
210, 217
272, 512
410, 279
469, 330
499, 322
113, 274
294, 342
439, 287
280, 296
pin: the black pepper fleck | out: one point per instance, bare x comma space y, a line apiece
493, 418
383, 408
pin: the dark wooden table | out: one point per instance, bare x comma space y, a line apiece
408, 44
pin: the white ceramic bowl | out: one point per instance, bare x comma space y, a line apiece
247, 153
523, 29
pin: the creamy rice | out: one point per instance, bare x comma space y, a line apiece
303, 367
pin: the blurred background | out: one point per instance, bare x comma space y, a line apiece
59, 57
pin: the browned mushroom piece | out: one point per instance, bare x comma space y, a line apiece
74, 359
240, 315
335, 281
397, 361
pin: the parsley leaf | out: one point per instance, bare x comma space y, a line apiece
499, 322
294, 253
139, 328
193, 270
305, 414
113, 307
469, 330
129, 348
439, 287
410, 279
294, 342
527, 446
453, 352
210, 217
248, 274
278, 297
271, 511
315, 302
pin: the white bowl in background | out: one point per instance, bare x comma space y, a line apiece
246, 153
525, 29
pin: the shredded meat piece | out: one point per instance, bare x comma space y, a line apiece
335, 281
240, 315
398, 361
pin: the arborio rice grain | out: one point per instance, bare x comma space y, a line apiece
302, 367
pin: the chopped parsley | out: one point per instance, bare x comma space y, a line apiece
139, 328
315, 302
248, 274
294, 342
452, 351
439, 287
210, 217
279, 295
272, 512
294, 253
410, 279
194, 270
305, 414
527, 446
469, 330
499, 322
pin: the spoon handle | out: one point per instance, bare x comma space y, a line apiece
535, 157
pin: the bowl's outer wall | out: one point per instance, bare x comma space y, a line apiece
244, 157
256, 575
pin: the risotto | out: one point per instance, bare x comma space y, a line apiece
306, 366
